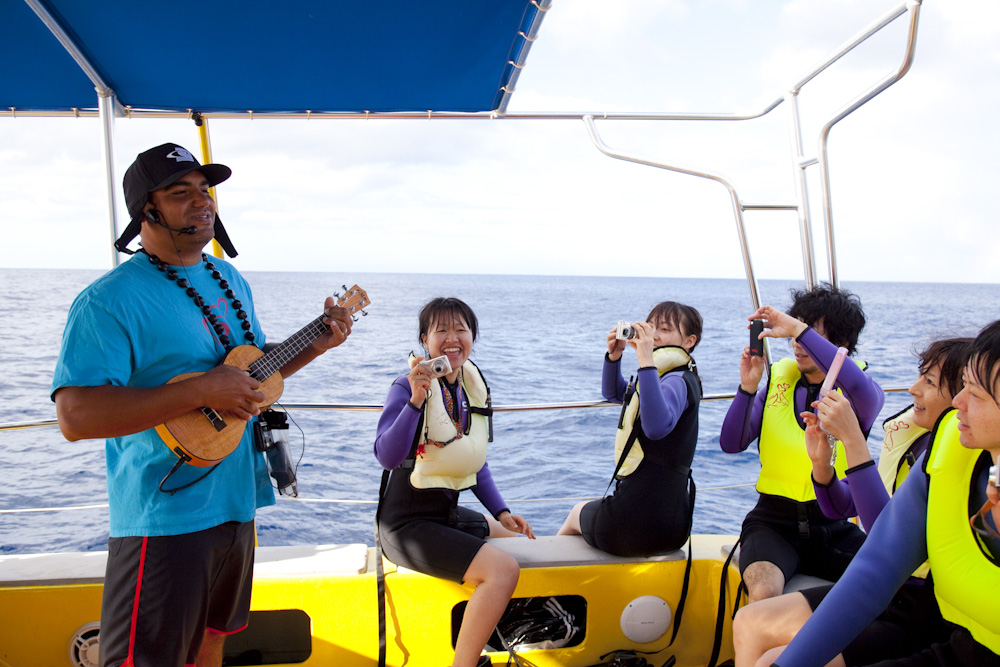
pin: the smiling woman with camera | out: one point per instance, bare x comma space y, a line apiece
432, 436
650, 510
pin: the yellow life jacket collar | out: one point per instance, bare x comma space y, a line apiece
671, 357
897, 456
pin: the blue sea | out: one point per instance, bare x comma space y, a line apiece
542, 340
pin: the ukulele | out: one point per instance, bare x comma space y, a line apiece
205, 436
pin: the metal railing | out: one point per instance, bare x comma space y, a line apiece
359, 407
356, 407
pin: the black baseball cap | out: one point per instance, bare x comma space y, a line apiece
157, 168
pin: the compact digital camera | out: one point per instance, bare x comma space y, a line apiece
437, 366
624, 331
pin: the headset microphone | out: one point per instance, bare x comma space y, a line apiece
155, 219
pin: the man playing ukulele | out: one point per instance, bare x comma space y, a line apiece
180, 559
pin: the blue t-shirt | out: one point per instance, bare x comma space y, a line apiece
135, 328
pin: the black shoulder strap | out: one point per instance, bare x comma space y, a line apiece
380, 574
632, 437
692, 492
721, 613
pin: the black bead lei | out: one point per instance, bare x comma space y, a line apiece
171, 274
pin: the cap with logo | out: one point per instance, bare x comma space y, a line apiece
157, 168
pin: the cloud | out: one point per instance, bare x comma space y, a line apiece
912, 171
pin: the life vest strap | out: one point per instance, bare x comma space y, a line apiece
803, 520
484, 412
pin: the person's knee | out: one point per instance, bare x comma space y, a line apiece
571, 526
763, 580
745, 625
508, 571
495, 567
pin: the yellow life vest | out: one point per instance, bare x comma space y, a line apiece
900, 435
446, 457
966, 580
785, 467
896, 458
666, 359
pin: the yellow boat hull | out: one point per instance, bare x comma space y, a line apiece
334, 590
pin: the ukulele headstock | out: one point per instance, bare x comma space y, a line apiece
354, 300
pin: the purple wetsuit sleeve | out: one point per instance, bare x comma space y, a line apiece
661, 401
870, 496
895, 547
613, 385
742, 423
487, 493
396, 426
865, 395
835, 498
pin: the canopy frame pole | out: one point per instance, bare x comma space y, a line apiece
712, 176
913, 7
800, 163
543, 6
74, 51
205, 141
106, 105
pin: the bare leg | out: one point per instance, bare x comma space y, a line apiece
210, 654
763, 580
773, 654
494, 573
767, 624
571, 526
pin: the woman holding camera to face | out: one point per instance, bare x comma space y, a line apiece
432, 436
650, 510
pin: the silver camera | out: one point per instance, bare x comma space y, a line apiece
625, 331
994, 477
437, 366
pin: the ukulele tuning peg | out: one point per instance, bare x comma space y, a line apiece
364, 313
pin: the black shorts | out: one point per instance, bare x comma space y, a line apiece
911, 623
443, 548
174, 588
797, 537
426, 530
649, 513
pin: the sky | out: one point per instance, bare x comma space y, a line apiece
912, 172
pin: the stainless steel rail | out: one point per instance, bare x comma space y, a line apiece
108, 108
913, 6
358, 407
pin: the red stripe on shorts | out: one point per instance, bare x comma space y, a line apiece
135, 605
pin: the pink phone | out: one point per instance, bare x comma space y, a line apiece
831, 375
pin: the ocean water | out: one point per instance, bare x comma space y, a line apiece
542, 340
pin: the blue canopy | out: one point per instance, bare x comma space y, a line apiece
264, 56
